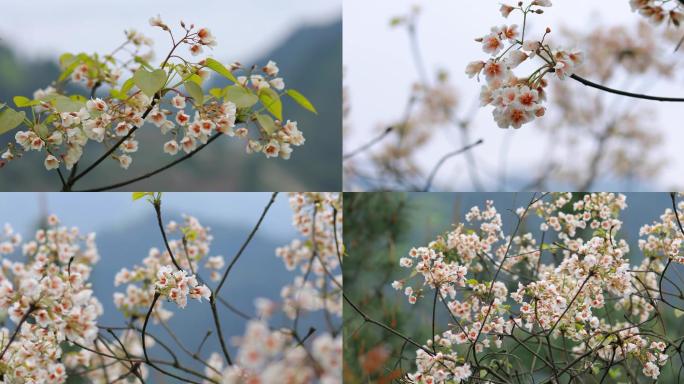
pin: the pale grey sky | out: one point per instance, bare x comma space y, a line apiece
243, 29
96, 211
379, 67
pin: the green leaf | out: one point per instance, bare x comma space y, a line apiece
217, 92
678, 313
149, 82
614, 373
123, 93
10, 119
65, 104
66, 59
195, 78
301, 100
189, 233
242, 97
396, 21
41, 130
73, 62
127, 85
220, 69
140, 195
266, 123
21, 102
143, 63
195, 91
271, 100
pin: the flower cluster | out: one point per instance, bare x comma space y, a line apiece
564, 298
659, 11
518, 100
664, 239
49, 299
171, 97
190, 250
270, 356
266, 354
177, 286
316, 219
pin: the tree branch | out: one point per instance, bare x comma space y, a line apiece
624, 93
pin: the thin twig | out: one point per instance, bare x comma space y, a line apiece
369, 144
433, 173
624, 93
158, 170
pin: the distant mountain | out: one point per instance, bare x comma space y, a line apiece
310, 61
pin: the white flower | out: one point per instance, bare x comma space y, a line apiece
171, 147
157, 22
542, 3
125, 161
271, 68
651, 370
272, 149
515, 58
96, 105
277, 83
474, 68
51, 162
122, 129
178, 101
182, 118
206, 38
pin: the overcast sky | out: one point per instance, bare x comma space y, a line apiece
243, 29
379, 67
97, 211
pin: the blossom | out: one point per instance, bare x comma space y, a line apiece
178, 101
272, 149
171, 147
277, 83
157, 22
492, 43
56, 301
474, 68
51, 162
182, 118
271, 68
651, 370
206, 38
96, 105
506, 10
177, 286
518, 100
125, 161
122, 128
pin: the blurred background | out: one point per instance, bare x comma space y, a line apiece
562, 151
126, 231
302, 36
380, 228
